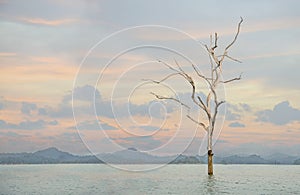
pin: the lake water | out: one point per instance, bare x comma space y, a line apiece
171, 179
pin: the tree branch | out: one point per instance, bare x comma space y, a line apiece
213, 120
170, 98
234, 79
216, 40
162, 80
185, 76
236, 35
200, 75
205, 108
169, 66
179, 67
233, 59
197, 122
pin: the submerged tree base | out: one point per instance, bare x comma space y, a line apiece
210, 162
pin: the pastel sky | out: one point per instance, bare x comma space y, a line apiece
51, 48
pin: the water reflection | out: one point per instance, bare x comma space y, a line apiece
210, 185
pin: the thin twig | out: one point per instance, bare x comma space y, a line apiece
234, 79
164, 79
236, 35
233, 59
216, 40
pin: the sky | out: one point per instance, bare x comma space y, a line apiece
74, 75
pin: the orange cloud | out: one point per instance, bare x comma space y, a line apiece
48, 60
39, 78
7, 54
248, 27
42, 21
270, 55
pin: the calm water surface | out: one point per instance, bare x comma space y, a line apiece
171, 179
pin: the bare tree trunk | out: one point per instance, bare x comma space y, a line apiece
210, 170
210, 162
212, 104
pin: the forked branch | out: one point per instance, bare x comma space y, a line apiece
211, 104
170, 98
197, 122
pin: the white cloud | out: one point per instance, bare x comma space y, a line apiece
281, 114
232, 116
93, 125
24, 125
236, 124
27, 107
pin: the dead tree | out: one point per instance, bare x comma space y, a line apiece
210, 104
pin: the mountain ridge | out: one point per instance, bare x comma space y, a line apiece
53, 155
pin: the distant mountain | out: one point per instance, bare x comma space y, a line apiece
183, 159
252, 159
47, 156
234, 159
53, 153
133, 156
280, 158
297, 162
